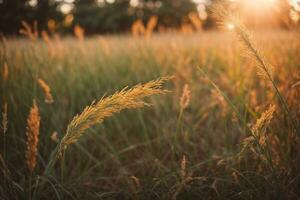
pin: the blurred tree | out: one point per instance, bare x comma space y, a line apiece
46, 10
118, 15
171, 13
284, 14
14, 11
100, 16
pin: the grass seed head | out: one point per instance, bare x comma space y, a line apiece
185, 97
183, 167
5, 72
151, 24
138, 28
79, 32
32, 133
264, 120
194, 17
47, 91
106, 107
4, 119
30, 32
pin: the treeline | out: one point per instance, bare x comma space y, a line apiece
104, 16
94, 15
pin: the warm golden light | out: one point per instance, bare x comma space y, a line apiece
66, 8
230, 26
295, 4
260, 5
259, 13
68, 20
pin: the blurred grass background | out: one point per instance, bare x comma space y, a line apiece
142, 144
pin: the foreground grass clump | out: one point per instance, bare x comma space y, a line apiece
106, 107
223, 132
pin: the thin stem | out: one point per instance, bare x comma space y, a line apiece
53, 159
62, 162
178, 124
29, 185
246, 39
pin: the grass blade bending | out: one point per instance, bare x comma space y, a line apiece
224, 16
104, 108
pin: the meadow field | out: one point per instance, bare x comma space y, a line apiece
220, 121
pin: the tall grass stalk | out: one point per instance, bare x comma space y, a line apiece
104, 108
254, 131
225, 16
183, 103
32, 133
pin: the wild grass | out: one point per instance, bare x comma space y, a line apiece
106, 107
47, 91
222, 133
32, 134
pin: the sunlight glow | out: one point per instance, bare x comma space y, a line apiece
32, 3
110, 1
199, 1
260, 5
201, 8
100, 3
134, 3
295, 4
294, 16
66, 8
230, 26
69, 1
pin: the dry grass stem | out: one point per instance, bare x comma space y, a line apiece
30, 32
5, 72
4, 119
264, 119
79, 32
104, 108
47, 91
183, 167
151, 24
185, 97
32, 133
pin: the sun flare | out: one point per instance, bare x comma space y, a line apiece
259, 5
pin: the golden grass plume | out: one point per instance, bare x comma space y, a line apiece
5, 72
104, 108
136, 181
138, 28
264, 119
194, 17
227, 19
79, 32
30, 32
265, 69
258, 129
32, 133
4, 119
183, 167
151, 24
47, 40
47, 91
185, 97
